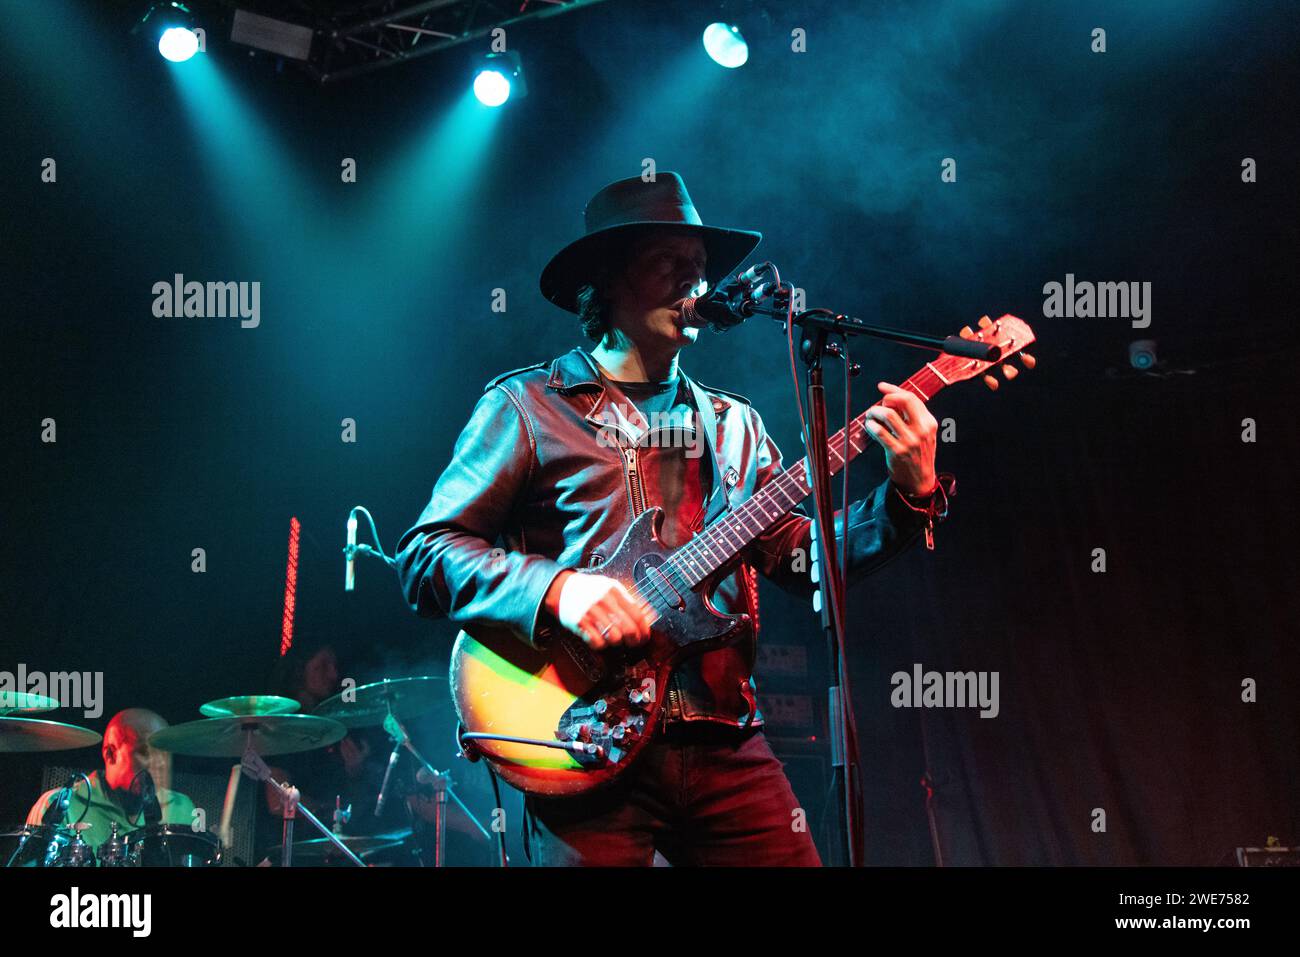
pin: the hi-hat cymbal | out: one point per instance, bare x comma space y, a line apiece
249, 704
26, 701
371, 704
228, 737
36, 734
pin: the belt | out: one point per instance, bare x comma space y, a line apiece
705, 732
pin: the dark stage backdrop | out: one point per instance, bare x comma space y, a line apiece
1119, 690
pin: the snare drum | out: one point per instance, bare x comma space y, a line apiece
174, 845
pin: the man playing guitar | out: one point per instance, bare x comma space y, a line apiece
559, 458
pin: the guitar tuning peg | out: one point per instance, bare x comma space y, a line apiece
967, 332
1010, 372
1027, 360
985, 322
991, 382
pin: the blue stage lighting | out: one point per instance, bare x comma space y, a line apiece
178, 44
725, 45
492, 87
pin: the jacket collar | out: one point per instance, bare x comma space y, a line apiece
576, 370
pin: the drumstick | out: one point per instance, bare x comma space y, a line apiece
228, 808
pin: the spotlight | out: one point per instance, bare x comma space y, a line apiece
497, 77
173, 25
178, 44
1142, 354
725, 45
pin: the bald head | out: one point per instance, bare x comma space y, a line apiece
126, 747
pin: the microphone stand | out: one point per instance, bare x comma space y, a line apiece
816, 326
443, 787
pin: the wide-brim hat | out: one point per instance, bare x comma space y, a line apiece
626, 207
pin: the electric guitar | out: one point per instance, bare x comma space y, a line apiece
567, 719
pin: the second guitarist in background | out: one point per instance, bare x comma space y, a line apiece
536, 467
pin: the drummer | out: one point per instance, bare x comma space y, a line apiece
351, 770
119, 794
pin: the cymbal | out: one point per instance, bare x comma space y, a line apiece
227, 737
249, 704
320, 850
36, 734
25, 701
370, 704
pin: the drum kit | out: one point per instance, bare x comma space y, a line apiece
250, 728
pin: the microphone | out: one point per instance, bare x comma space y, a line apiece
388, 773
350, 576
149, 799
719, 309
730, 304
56, 810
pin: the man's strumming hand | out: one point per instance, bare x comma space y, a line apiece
586, 604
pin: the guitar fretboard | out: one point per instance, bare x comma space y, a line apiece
718, 544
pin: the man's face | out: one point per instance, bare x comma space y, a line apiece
664, 267
126, 754
321, 674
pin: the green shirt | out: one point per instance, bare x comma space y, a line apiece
103, 811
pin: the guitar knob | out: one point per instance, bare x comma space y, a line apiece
601, 706
1010, 372
1027, 360
991, 382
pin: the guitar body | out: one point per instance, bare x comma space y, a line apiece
610, 700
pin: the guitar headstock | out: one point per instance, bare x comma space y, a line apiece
1009, 334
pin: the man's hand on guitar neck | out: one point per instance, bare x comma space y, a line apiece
905, 429
598, 609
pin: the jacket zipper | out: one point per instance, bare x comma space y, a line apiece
636, 496
635, 493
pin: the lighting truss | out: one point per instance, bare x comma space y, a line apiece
350, 47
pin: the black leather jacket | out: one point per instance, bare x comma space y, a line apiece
528, 469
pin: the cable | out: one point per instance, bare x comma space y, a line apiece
501, 833
378, 550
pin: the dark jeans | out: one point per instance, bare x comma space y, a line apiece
700, 793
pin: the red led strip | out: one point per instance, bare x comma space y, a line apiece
290, 587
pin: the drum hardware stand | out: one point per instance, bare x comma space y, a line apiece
256, 768
342, 815
443, 786
79, 853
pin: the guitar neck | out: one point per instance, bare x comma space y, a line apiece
718, 544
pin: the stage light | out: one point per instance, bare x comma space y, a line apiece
492, 87
173, 24
497, 77
725, 45
178, 44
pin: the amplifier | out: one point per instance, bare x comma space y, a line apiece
1272, 855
